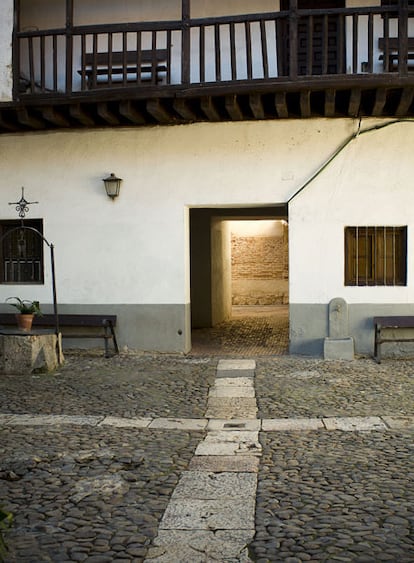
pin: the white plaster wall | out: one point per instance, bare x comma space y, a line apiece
6, 31
369, 183
135, 249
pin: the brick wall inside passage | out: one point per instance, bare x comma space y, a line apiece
260, 267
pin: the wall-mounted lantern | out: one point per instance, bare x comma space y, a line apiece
112, 185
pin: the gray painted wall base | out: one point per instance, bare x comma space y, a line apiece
309, 328
150, 328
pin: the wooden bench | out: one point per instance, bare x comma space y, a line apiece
390, 323
119, 68
390, 51
92, 326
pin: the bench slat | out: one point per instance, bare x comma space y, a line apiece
114, 67
131, 57
392, 45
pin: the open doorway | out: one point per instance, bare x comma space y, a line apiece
239, 281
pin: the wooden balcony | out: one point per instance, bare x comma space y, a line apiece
294, 63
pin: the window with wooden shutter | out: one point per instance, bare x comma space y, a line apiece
375, 255
21, 252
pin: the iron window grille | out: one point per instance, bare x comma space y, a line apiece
21, 252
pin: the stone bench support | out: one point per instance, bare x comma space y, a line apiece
26, 353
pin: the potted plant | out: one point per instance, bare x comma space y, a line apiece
27, 310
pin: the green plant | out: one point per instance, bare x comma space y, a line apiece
5, 522
25, 307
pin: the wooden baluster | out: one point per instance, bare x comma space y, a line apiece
31, 66
341, 45
55, 63
124, 58
233, 51
139, 56
202, 53
69, 45
403, 37
95, 61
154, 58
264, 49
217, 45
293, 39
248, 50
169, 43
386, 54
355, 43
309, 46
186, 42
42, 64
325, 41
370, 43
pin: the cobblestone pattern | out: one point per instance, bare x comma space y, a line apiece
88, 494
125, 385
294, 387
245, 336
335, 497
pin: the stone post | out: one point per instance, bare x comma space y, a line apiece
338, 345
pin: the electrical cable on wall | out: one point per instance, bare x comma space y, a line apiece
357, 133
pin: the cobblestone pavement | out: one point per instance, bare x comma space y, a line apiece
125, 385
251, 332
97, 494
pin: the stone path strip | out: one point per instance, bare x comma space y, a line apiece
344, 423
211, 514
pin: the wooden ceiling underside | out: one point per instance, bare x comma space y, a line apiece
118, 109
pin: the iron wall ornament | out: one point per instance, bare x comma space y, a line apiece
22, 206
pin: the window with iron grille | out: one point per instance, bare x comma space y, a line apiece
375, 255
21, 259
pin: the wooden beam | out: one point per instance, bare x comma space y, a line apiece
77, 112
209, 109
233, 108
256, 105
354, 102
31, 121
128, 110
281, 105
53, 116
106, 114
380, 100
406, 100
330, 95
158, 111
8, 125
305, 105
184, 109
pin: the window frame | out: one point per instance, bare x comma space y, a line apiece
375, 256
37, 241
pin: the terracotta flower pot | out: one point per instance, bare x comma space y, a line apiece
24, 322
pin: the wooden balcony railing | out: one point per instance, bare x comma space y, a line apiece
285, 46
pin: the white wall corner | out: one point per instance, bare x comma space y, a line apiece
6, 33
